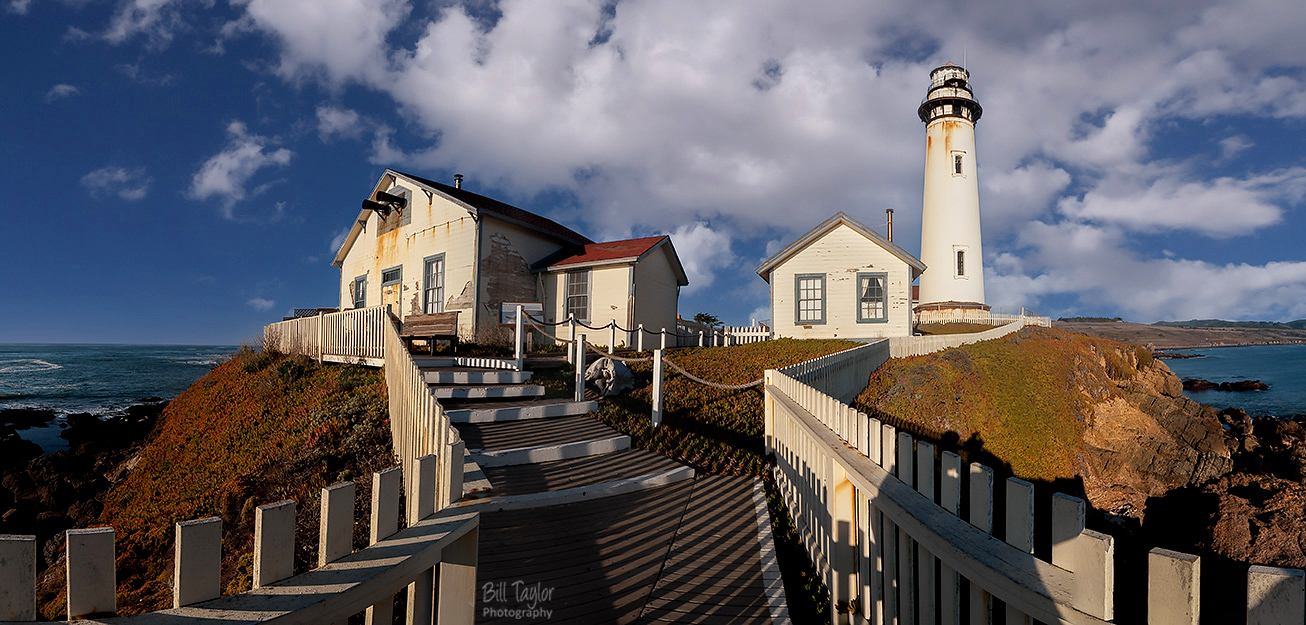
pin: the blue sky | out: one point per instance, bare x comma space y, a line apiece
178, 171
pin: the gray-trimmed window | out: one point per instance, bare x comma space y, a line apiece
809, 298
578, 295
393, 275
872, 297
433, 284
360, 291
961, 263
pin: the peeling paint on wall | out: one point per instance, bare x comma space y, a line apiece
415, 306
507, 275
463, 301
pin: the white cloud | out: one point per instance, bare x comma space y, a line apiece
61, 90
19, 7
156, 20
1090, 263
335, 122
703, 252
260, 304
1231, 147
1222, 207
340, 39
1012, 197
128, 184
338, 240
225, 174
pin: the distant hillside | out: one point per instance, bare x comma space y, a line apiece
1299, 324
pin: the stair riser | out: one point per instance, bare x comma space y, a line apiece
476, 377
549, 453
542, 411
580, 493
472, 392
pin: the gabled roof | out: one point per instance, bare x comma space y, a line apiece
503, 211
475, 204
839, 219
613, 253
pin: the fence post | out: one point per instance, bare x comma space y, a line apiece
662, 338
197, 561
1174, 582
571, 336
700, 338
950, 500
1088, 554
421, 504
580, 369
925, 564
1275, 595
18, 570
639, 338
657, 388
321, 336
453, 481
335, 537
981, 516
1020, 530
456, 599
385, 522
274, 542
612, 337
92, 576
518, 339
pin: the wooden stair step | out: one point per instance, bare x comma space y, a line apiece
495, 391
490, 412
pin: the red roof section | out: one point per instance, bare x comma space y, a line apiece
612, 250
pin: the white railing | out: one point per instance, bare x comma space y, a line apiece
739, 335
347, 336
880, 516
903, 346
435, 556
713, 336
842, 375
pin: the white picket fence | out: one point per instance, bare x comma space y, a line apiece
984, 317
352, 336
880, 516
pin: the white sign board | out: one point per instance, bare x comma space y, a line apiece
508, 312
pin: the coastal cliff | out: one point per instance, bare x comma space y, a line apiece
259, 428
1052, 406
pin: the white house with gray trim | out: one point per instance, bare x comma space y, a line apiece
420, 246
841, 280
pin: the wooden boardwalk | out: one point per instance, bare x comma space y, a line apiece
683, 553
617, 535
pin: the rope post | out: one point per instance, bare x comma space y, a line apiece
664, 339
639, 338
700, 338
518, 338
571, 335
612, 336
657, 388
580, 369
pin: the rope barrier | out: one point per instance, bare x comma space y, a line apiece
533, 321
594, 348
546, 332
724, 387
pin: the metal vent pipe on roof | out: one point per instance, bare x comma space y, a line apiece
457, 181
889, 211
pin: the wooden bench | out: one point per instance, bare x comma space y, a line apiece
431, 327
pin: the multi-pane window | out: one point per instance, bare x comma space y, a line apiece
393, 275
433, 284
956, 164
360, 292
810, 298
578, 295
961, 263
872, 304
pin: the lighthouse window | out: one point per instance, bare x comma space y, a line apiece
956, 164
961, 263
809, 300
871, 301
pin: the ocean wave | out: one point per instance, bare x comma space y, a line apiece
26, 365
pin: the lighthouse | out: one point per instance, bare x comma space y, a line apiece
950, 221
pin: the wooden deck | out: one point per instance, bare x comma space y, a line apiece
591, 471
686, 552
533, 433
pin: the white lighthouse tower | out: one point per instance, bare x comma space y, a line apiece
950, 220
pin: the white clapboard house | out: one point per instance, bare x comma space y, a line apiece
841, 280
420, 246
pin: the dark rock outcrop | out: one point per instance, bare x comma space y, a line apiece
23, 418
1193, 384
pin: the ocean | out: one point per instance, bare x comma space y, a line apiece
1283, 367
97, 379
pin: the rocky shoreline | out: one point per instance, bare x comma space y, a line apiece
1241, 386
45, 494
